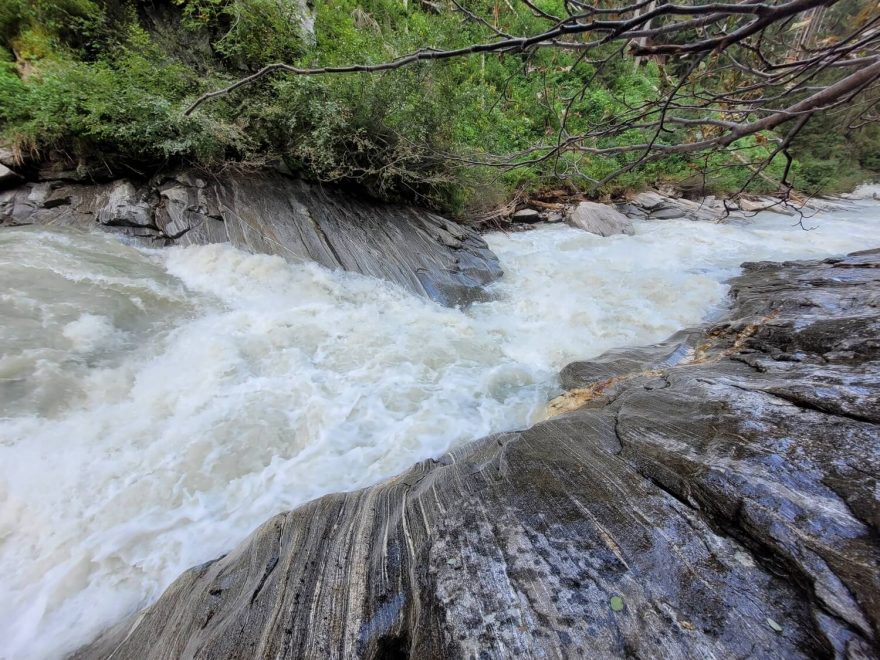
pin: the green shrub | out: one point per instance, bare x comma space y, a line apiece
87, 77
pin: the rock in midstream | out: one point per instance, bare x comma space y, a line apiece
273, 214
712, 496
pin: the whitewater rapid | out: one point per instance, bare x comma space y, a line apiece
157, 405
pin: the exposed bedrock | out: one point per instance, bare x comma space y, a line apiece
712, 496
273, 214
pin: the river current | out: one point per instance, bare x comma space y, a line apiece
158, 405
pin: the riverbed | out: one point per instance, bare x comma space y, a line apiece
157, 405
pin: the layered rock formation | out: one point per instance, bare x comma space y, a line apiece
669, 204
273, 214
712, 496
600, 219
656, 205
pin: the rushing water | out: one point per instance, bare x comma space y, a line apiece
156, 406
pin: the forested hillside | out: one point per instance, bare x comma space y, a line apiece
107, 83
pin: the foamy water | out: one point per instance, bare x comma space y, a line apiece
156, 406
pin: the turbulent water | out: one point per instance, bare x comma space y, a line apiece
156, 406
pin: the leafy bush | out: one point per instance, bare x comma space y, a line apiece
88, 77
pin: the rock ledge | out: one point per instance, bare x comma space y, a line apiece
712, 496
273, 214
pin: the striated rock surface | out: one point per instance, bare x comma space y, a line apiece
599, 219
656, 205
712, 496
273, 214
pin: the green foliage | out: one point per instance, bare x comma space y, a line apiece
248, 33
86, 76
127, 103
833, 160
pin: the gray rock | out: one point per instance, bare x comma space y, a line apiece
659, 206
119, 205
650, 199
273, 214
8, 178
712, 496
752, 205
771, 204
632, 211
8, 159
62, 169
824, 205
667, 213
600, 219
526, 215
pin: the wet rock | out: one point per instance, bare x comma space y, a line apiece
273, 214
8, 178
632, 211
654, 205
526, 215
599, 219
667, 213
119, 205
707, 209
712, 496
8, 158
649, 200
824, 205
752, 205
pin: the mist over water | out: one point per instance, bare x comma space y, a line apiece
157, 405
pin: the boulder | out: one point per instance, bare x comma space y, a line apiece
668, 213
7, 158
119, 205
705, 210
599, 219
631, 210
8, 178
526, 215
712, 496
752, 205
863, 191
650, 199
656, 205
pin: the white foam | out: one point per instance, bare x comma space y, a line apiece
158, 405
90, 332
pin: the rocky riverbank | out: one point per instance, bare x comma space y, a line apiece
660, 204
270, 213
711, 496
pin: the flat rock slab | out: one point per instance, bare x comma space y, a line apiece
526, 215
273, 214
714, 496
599, 219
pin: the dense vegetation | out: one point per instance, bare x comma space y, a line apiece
108, 80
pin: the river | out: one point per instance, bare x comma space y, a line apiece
157, 405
